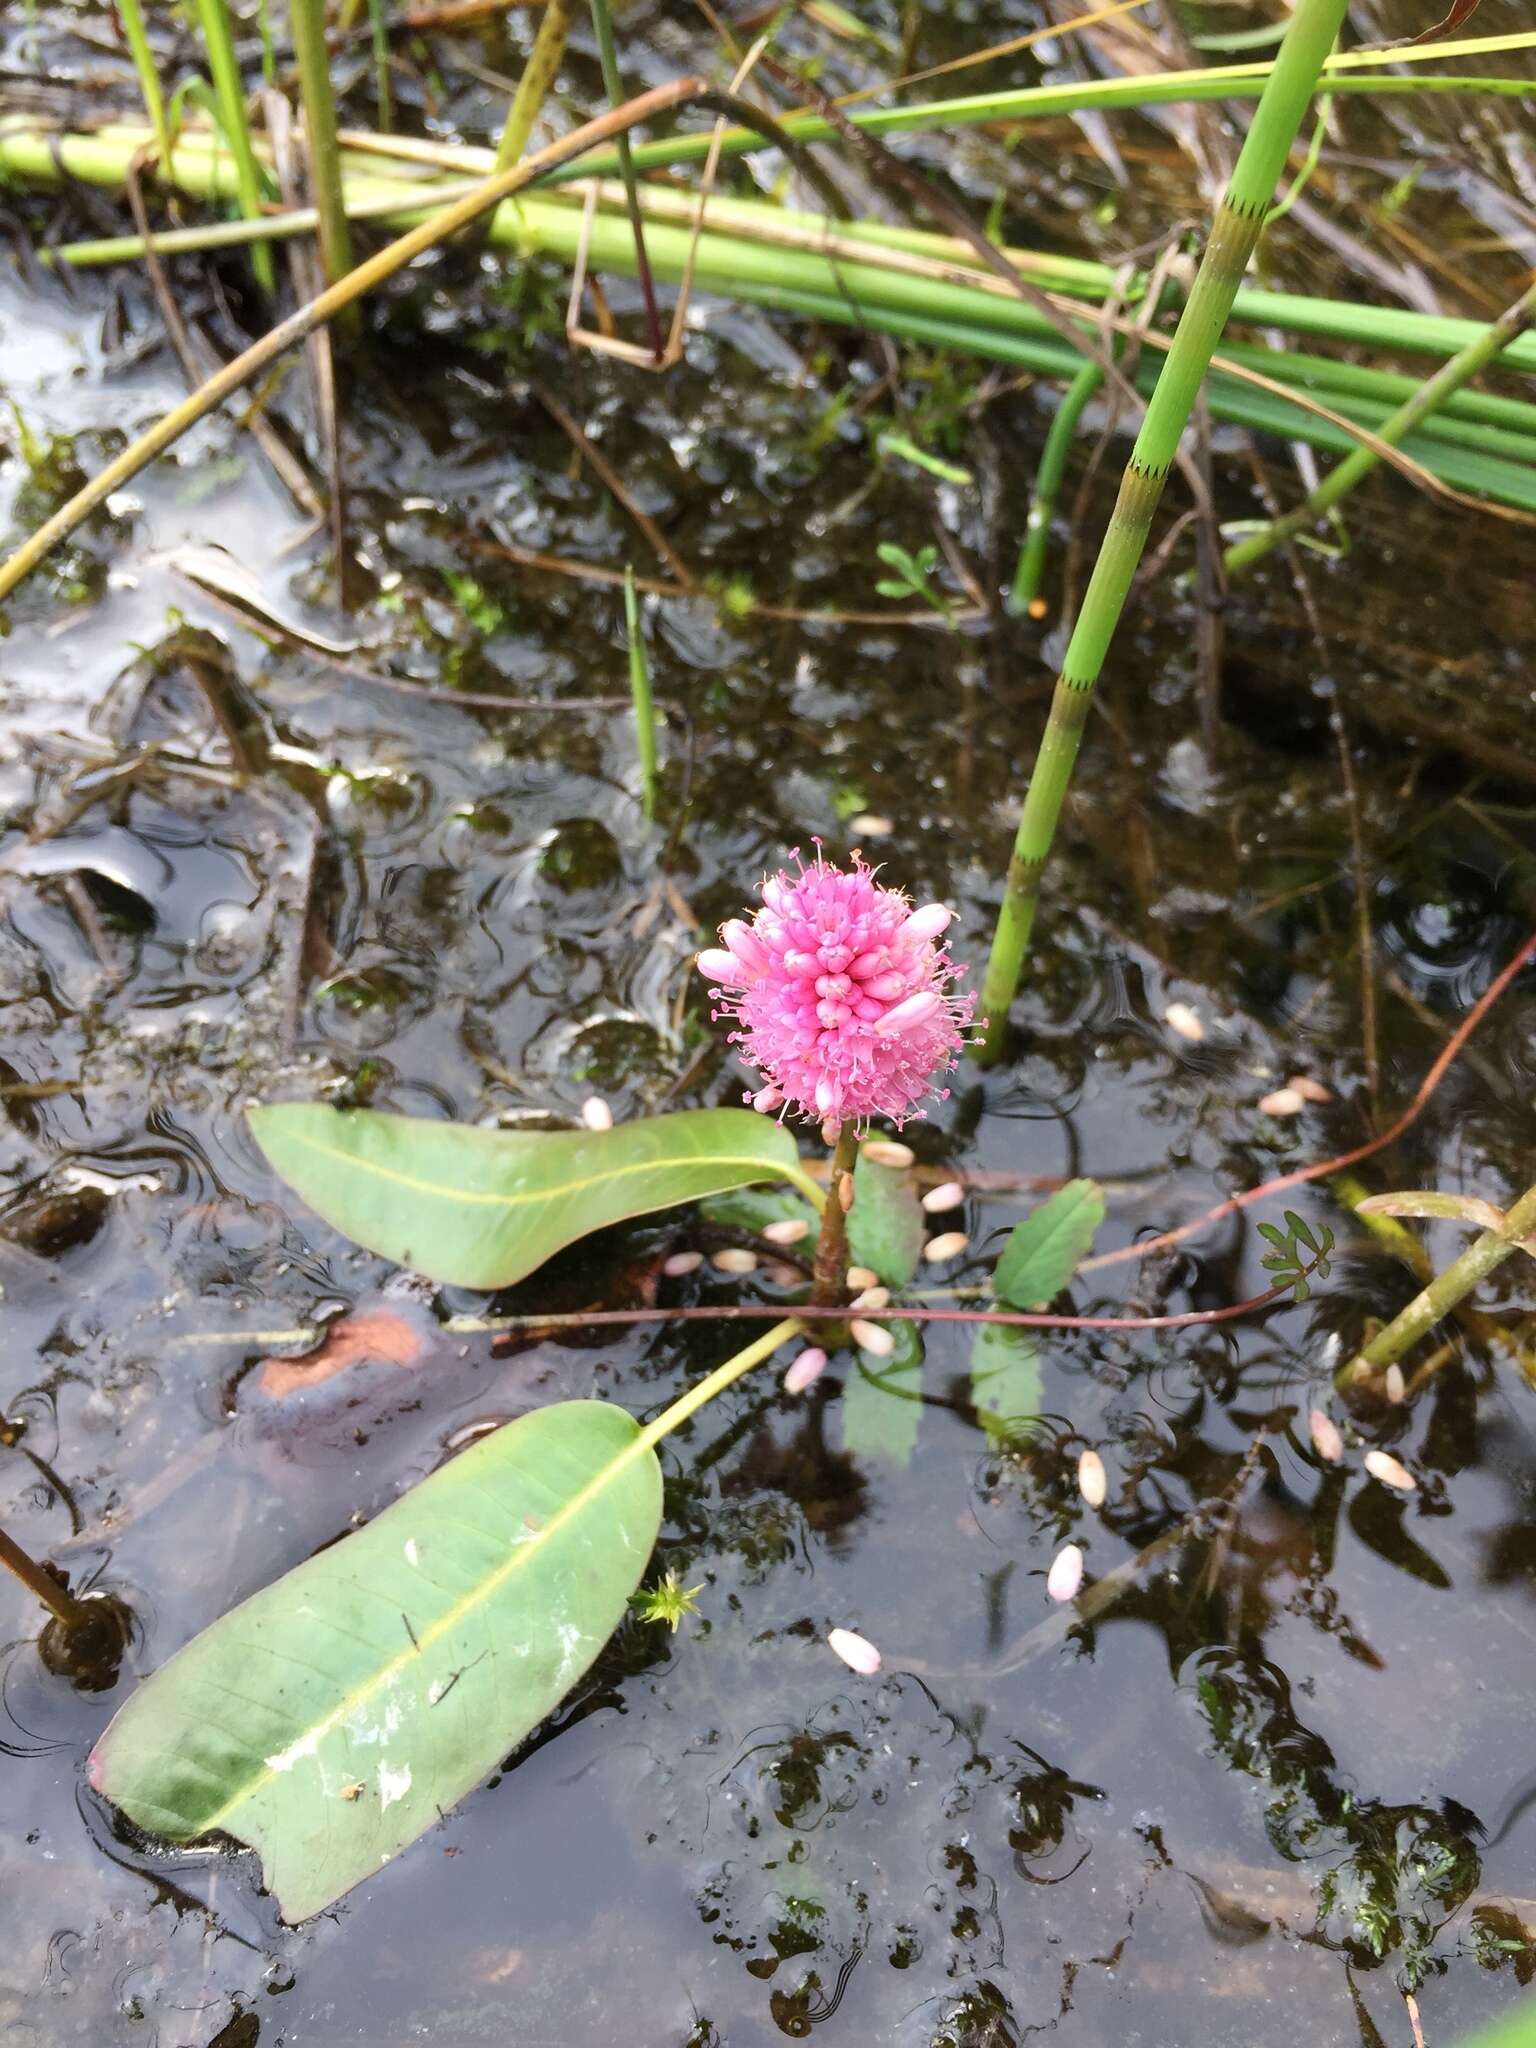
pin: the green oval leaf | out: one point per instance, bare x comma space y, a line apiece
885, 1224
479, 1208
331, 1718
1042, 1252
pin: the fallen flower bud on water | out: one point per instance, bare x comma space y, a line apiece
947, 1195
596, 1114
1282, 1102
807, 1368
863, 1276
886, 1152
845, 1192
681, 1263
788, 1230
938, 1251
1396, 1387
1308, 1089
841, 997
734, 1260
1183, 1019
1326, 1440
1066, 1573
870, 825
871, 1297
1092, 1479
871, 1337
1383, 1466
856, 1653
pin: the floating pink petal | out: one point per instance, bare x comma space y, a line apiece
806, 1370
1326, 1440
843, 996
1066, 1573
855, 1652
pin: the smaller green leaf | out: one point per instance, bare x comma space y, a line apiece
755, 1208
887, 587
895, 557
1300, 1231
1275, 1235
1042, 1252
882, 1401
885, 1224
1005, 1380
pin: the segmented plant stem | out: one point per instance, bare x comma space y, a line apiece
829, 1281
1430, 396
41, 1584
1313, 27
307, 18
1443, 1293
539, 75
219, 48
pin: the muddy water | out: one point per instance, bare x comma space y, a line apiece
1288, 1778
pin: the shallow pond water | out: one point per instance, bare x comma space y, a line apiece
1283, 1781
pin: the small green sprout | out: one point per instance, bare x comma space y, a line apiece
669, 1601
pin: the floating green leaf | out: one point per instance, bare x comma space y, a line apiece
1005, 1380
1042, 1252
882, 1400
332, 1717
885, 1224
481, 1208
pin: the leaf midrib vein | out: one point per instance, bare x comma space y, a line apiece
434, 1631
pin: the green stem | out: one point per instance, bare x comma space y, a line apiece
1042, 503
149, 78
640, 696
1442, 1294
299, 326
829, 1280
602, 21
307, 20
1234, 234
42, 1585
538, 77
1429, 397
722, 1377
218, 45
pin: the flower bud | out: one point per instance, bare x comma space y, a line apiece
928, 922
871, 1337
1066, 1574
807, 1368
788, 1230
856, 1653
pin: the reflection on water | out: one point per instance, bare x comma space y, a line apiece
1282, 1780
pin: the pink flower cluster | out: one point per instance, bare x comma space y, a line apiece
844, 998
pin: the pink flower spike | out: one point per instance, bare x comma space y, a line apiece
855, 1652
806, 1370
929, 922
842, 996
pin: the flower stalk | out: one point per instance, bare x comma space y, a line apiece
829, 1281
42, 1585
1234, 235
539, 74
309, 47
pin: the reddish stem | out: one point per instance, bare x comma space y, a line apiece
1341, 1160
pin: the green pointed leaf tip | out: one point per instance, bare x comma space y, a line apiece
330, 1719
1042, 1252
885, 1224
478, 1208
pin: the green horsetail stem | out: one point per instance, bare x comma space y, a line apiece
539, 74
1234, 235
1427, 400
149, 78
219, 48
1042, 500
307, 21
